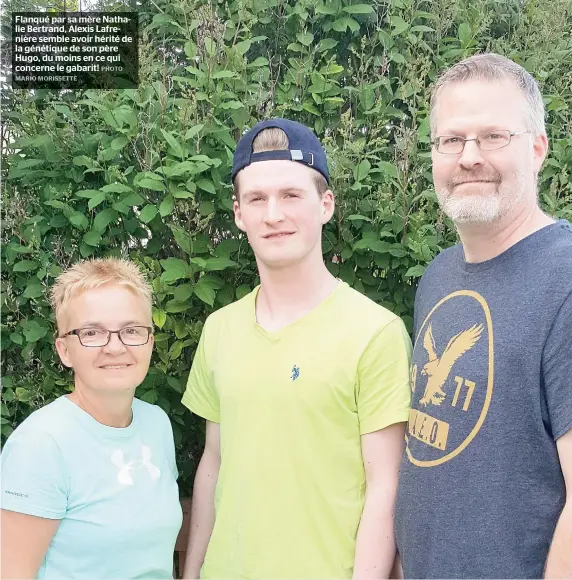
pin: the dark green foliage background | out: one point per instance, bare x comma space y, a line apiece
146, 173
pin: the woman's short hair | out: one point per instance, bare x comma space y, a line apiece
90, 274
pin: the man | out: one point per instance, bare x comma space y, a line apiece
488, 456
304, 386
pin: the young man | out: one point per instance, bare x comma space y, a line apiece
89, 484
304, 386
487, 475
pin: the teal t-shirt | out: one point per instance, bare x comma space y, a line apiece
114, 490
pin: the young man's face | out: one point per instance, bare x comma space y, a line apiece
114, 367
478, 186
281, 211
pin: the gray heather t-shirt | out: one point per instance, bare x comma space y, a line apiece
481, 486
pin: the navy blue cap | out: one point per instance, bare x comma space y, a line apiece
304, 147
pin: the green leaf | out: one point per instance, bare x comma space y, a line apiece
27, 163
205, 291
182, 238
295, 47
342, 24
176, 350
210, 45
257, 62
96, 200
25, 266
173, 307
361, 171
175, 269
119, 143
207, 185
206, 208
173, 143
326, 44
133, 199
167, 206
190, 49
150, 396
92, 238
103, 219
213, 264
86, 193
464, 34
116, 188
359, 9
242, 291
177, 169
234, 105
78, 220
150, 183
159, 317
422, 28
399, 25
33, 290
16, 338
224, 74
182, 293
305, 38
387, 168
193, 131
148, 213
326, 8
23, 395
415, 271
243, 46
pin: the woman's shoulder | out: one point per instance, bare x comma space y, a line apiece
149, 414
50, 419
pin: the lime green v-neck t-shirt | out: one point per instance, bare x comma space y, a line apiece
292, 406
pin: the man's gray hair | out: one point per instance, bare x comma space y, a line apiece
494, 67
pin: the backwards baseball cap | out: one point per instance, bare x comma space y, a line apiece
304, 147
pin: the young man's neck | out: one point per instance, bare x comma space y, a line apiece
286, 295
482, 242
113, 410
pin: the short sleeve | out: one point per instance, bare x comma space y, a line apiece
384, 396
557, 370
169, 443
33, 475
200, 396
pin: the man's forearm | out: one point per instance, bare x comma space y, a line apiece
375, 545
202, 518
559, 563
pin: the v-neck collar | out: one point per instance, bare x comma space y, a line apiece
279, 334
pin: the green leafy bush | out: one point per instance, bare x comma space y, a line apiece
146, 173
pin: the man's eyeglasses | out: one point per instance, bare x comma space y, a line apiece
487, 141
129, 336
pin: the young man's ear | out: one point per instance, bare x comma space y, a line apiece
328, 206
238, 216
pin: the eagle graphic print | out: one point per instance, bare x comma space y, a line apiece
452, 374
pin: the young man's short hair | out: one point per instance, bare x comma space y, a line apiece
275, 139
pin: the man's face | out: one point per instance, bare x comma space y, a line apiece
478, 186
281, 211
111, 368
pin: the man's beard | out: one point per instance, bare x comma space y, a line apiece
484, 203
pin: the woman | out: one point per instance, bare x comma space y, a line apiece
89, 481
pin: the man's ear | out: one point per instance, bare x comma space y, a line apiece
328, 206
540, 150
238, 216
62, 348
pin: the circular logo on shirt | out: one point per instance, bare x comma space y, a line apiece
452, 374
